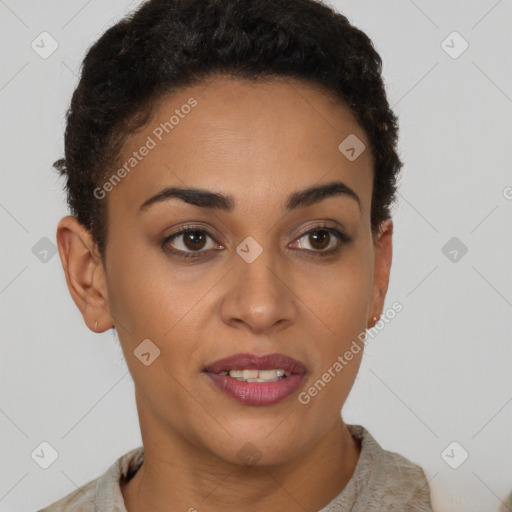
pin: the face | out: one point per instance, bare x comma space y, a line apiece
263, 269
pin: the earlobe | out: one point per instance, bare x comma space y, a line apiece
383, 247
84, 273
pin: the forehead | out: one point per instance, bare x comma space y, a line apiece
267, 138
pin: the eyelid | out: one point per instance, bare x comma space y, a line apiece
321, 224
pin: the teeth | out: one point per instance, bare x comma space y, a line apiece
258, 375
268, 374
249, 374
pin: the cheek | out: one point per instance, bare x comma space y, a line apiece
343, 307
150, 298
147, 303
338, 353
143, 297
344, 296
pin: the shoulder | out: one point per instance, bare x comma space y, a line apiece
80, 499
398, 469
103, 492
384, 480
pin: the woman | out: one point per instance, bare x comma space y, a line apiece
231, 166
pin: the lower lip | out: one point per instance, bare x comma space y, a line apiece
256, 393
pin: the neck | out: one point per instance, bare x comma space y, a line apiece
181, 477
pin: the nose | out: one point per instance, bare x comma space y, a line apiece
260, 296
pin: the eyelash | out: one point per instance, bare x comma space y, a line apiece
342, 238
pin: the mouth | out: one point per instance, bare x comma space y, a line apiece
256, 380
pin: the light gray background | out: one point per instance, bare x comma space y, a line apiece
439, 372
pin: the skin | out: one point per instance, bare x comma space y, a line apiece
258, 142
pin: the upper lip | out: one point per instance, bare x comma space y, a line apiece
253, 362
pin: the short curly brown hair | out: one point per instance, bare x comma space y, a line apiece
169, 44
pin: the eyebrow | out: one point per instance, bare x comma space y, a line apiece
217, 201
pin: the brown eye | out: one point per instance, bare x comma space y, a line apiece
194, 240
188, 241
323, 241
319, 239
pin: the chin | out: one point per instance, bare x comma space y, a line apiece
270, 444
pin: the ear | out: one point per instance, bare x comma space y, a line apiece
85, 274
382, 267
